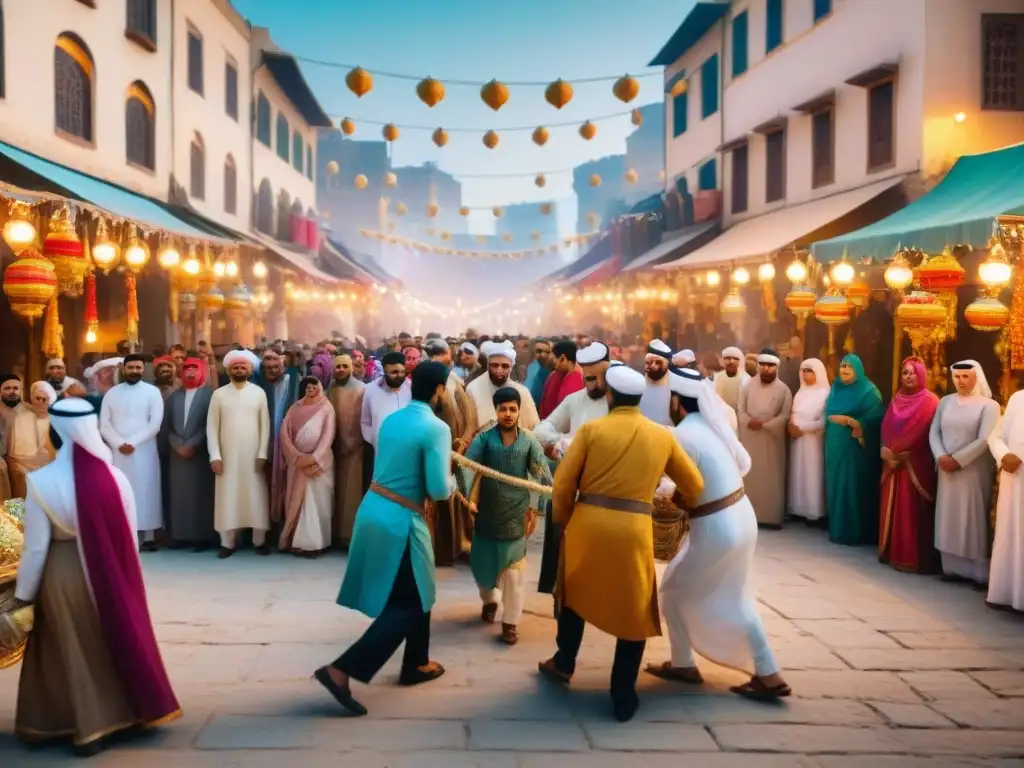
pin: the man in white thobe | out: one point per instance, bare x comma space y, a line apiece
685, 358
384, 396
706, 595
501, 357
238, 438
655, 400
959, 435
729, 381
1006, 576
130, 419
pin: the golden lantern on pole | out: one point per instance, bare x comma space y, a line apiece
540, 136
19, 231
558, 93
540, 180
348, 126
440, 137
494, 94
626, 89
390, 132
430, 91
636, 118
588, 130
359, 81
491, 139
360, 181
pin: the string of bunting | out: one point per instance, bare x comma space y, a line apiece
418, 245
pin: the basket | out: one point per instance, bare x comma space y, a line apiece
15, 624
670, 526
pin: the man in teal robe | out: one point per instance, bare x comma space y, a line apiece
390, 571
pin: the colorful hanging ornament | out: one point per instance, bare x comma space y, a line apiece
464, 210
491, 139
360, 181
540, 136
30, 283
626, 89
800, 301
53, 333
859, 294
440, 137
986, 314
631, 176
359, 81
348, 126
430, 91
540, 180
63, 247
595, 180
636, 118
558, 93
390, 132
91, 316
132, 332
494, 95
832, 309
238, 301
588, 130
333, 168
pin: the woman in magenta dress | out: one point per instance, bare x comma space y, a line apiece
907, 514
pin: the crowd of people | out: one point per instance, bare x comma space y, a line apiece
426, 451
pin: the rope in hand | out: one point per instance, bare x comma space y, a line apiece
518, 482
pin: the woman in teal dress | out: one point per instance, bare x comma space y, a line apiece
853, 466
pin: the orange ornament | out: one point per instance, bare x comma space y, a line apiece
558, 94
595, 180
348, 127
30, 283
464, 210
986, 314
540, 181
800, 301
494, 95
440, 137
390, 132
832, 309
430, 91
859, 294
432, 210
491, 139
626, 88
540, 136
631, 176
588, 130
636, 118
359, 81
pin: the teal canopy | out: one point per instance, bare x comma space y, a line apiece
958, 211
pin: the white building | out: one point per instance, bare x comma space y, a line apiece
818, 107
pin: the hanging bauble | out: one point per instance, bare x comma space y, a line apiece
401, 209
432, 210
595, 180
498, 211
63, 247
558, 93
636, 117
507, 237
679, 87
540, 180
545, 209
588, 130
800, 300
348, 126
535, 235
986, 314
464, 210
29, 284
360, 181
630, 176
626, 88
430, 91
440, 137
540, 136
941, 273
494, 95
359, 81
390, 132
859, 294
832, 309
333, 168
390, 180
491, 139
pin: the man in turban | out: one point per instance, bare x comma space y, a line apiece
729, 381
500, 359
346, 396
57, 376
655, 401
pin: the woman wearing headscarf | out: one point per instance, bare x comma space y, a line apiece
852, 455
306, 445
29, 447
907, 508
806, 429
322, 368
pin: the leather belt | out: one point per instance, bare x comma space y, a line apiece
398, 499
619, 505
711, 507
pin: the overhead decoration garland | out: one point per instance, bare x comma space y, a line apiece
468, 253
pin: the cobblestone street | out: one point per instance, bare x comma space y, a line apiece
888, 669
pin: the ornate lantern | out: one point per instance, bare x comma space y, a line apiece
832, 309
440, 137
941, 274
19, 232
210, 297
588, 130
922, 316
238, 300
187, 301
167, 256
631, 176
64, 248
540, 136
766, 272
859, 294
558, 93
30, 283
430, 91
732, 305
136, 253
800, 301
995, 271
626, 89
390, 132
636, 118
986, 314
899, 274
348, 127
359, 81
540, 180
494, 95
491, 139
796, 272
105, 252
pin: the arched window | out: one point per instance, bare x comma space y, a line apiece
283, 137
230, 185
297, 208
309, 162
263, 119
140, 23
265, 208
73, 81
298, 152
197, 156
284, 208
140, 126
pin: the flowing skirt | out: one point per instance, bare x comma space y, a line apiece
1006, 579
313, 529
807, 477
906, 525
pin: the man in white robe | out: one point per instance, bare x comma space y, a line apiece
706, 594
1006, 576
238, 437
959, 436
685, 358
130, 419
384, 396
655, 400
500, 360
729, 381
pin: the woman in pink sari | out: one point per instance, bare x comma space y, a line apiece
907, 514
306, 446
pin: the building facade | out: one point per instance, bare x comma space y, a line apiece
597, 204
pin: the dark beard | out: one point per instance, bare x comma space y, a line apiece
394, 383
236, 378
497, 382
768, 378
342, 381
657, 375
596, 394
13, 403
132, 380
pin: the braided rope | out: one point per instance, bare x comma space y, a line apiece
518, 482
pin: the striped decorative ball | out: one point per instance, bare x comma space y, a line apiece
30, 283
986, 314
800, 300
832, 309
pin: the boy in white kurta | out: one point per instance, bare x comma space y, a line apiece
130, 419
238, 436
1006, 576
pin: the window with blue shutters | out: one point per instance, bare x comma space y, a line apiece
709, 86
680, 104
707, 176
773, 26
822, 8
739, 44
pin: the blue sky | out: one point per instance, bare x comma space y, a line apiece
473, 40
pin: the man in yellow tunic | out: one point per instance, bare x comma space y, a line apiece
607, 577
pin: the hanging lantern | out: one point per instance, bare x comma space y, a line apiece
390, 180
29, 284
19, 231
540, 136
636, 118
800, 301
432, 210
63, 247
741, 276
679, 87
210, 297
588, 130
595, 180
498, 211
259, 271
440, 137
401, 209
238, 300
348, 127
545, 209
766, 272
191, 265
168, 257
359, 81
631, 176
540, 180
732, 304
832, 309
491, 139
105, 252
921, 315
796, 272
390, 132
626, 89
899, 274
942, 273
136, 253
986, 314
995, 271
507, 237
494, 95
464, 210
430, 91
187, 301
333, 168
558, 93
842, 272
859, 294
360, 181
91, 316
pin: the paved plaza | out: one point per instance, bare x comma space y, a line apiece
888, 670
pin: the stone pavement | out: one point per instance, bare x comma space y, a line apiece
888, 670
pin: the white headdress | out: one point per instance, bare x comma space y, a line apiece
110, 362
659, 348
809, 401
981, 388
51, 393
595, 352
625, 380
683, 358
467, 347
240, 356
76, 423
733, 352
689, 383
768, 357
505, 349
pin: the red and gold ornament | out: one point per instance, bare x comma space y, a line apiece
30, 283
63, 247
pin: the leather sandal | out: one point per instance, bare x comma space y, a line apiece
550, 671
665, 671
509, 634
756, 690
489, 612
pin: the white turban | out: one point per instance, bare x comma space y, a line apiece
505, 349
683, 358
55, 361
625, 380
240, 356
595, 352
110, 362
659, 348
76, 423
981, 388
768, 357
51, 393
471, 349
733, 352
689, 383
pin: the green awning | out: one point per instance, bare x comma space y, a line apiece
958, 211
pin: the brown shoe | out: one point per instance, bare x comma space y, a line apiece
489, 612
550, 671
665, 671
509, 634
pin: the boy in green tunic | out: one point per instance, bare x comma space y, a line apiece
498, 553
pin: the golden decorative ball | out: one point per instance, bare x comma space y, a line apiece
588, 130
440, 137
558, 93
540, 180
636, 118
595, 180
390, 132
348, 126
359, 81
464, 210
430, 91
333, 168
432, 210
491, 139
631, 176
498, 211
626, 88
494, 95
540, 136
360, 181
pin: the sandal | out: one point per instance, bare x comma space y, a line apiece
550, 671
755, 690
665, 671
509, 634
429, 671
489, 612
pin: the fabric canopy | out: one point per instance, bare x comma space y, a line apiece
959, 210
300, 261
687, 238
752, 239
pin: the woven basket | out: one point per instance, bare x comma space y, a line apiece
15, 624
670, 526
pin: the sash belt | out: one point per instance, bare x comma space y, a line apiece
711, 507
398, 499
619, 505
